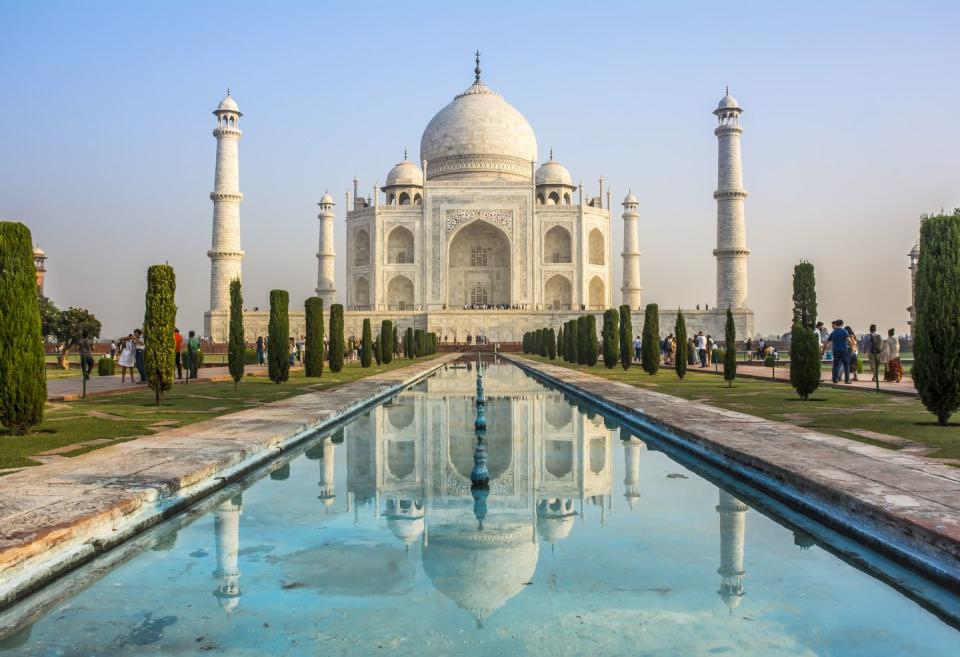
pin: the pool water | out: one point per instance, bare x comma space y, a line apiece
592, 540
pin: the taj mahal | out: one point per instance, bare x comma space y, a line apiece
477, 238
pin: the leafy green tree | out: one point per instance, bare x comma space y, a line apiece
386, 341
683, 353
730, 351
551, 344
71, 325
159, 319
236, 345
278, 336
23, 386
650, 351
804, 295
626, 337
313, 356
804, 360
366, 344
936, 333
610, 335
336, 338
49, 315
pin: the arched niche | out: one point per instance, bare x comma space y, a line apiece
596, 248
361, 292
400, 293
478, 265
557, 246
558, 292
597, 293
400, 246
361, 247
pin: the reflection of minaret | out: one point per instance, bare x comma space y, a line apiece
555, 519
732, 525
327, 489
226, 523
631, 468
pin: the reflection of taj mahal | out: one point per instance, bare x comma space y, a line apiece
477, 225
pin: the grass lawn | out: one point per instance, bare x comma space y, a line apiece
830, 410
117, 418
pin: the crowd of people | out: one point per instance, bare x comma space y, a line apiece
128, 352
841, 346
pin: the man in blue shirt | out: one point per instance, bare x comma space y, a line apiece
841, 359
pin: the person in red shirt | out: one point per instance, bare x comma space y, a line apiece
177, 348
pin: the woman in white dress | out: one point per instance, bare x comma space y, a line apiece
128, 361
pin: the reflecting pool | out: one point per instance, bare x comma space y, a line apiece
591, 540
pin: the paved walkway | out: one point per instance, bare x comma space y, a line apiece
71, 388
905, 387
903, 503
56, 516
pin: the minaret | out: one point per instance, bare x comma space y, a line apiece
731, 251
40, 264
631, 466
328, 491
225, 253
226, 524
326, 281
732, 527
914, 256
631, 253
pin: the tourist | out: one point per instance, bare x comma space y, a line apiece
259, 350
891, 358
873, 344
711, 345
748, 347
854, 353
701, 349
637, 349
86, 355
293, 353
300, 347
177, 349
128, 359
139, 357
691, 351
113, 350
761, 348
193, 354
839, 340
665, 350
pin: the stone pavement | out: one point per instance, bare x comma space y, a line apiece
905, 387
903, 504
57, 516
71, 388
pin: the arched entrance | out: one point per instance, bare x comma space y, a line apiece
558, 293
400, 293
478, 267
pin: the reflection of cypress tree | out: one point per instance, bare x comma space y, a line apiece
282, 473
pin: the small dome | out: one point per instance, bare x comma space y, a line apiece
553, 173
630, 199
228, 104
408, 530
553, 530
38, 252
327, 199
405, 173
728, 102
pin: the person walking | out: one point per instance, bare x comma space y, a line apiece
839, 341
139, 358
637, 349
193, 354
292, 355
711, 345
113, 350
178, 352
86, 354
873, 344
128, 359
259, 350
854, 352
891, 358
701, 349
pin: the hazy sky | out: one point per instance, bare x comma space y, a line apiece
851, 131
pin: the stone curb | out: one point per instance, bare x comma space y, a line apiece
926, 539
75, 530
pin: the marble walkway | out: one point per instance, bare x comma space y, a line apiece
59, 515
71, 388
903, 503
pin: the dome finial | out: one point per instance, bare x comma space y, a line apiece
551, 153
404, 154
476, 71
727, 90
228, 91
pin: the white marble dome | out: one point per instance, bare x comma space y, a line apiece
478, 135
228, 104
553, 173
405, 173
728, 102
327, 199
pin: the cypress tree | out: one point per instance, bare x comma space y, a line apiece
610, 335
377, 350
23, 385
804, 296
408, 343
804, 360
683, 352
650, 351
573, 341
626, 337
582, 340
396, 340
730, 353
418, 343
936, 346
237, 346
313, 358
336, 338
592, 342
559, 345
544, 343
551, 344
366, 344
159, 318
386, 341
278, 337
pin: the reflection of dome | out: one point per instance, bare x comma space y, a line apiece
554, 530
732, 600
480, 570
405, 173
408, 530
478, 134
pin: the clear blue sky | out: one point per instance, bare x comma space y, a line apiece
851, 132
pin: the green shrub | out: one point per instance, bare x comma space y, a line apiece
249, 356
650, 350
729, 355
313, 356
336, 338
610, 337
680, 331
626, 337
386, 341
236, 345
106, 366
158, 324
366, 344
278, 336
551, 344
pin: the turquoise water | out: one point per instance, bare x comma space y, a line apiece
594, 541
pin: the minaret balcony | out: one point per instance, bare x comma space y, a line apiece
727, 194
224, 253
226, 196
731, 252
227, 132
